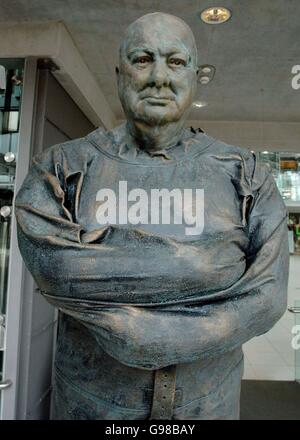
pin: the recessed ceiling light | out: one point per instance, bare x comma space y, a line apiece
200, 104
215, 15
204, 79
206, 69
206, 73
265, 152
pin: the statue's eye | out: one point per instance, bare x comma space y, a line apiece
177, 62
142, 60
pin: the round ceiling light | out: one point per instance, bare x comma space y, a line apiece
206, 69
199, 104
204, 79
216, 15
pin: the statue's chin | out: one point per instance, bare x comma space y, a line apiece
157, 116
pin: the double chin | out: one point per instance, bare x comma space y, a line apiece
152, 115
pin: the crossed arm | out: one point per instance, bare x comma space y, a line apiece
153, 337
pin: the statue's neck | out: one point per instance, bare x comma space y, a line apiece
154, 138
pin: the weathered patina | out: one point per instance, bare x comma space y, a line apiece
146, 306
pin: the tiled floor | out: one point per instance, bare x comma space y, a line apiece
270, 400
271, 356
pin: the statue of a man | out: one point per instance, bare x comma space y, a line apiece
164, 249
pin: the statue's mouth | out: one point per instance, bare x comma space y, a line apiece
157, 100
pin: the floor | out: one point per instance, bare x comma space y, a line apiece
271, 356
270, 400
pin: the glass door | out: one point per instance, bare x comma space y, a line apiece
11, 83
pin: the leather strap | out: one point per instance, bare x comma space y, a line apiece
164, 393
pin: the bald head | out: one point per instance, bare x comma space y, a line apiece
162, 27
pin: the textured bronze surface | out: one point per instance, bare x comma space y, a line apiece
137, 298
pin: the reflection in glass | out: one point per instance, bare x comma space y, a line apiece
11, 80
297, 341
13, 121
4, 254
285, 168
2, 332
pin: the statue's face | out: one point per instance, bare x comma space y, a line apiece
157, 78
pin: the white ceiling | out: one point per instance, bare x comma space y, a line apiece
253, 52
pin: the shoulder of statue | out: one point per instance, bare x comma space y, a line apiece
218, 148
241, 163
106, 141
72, 155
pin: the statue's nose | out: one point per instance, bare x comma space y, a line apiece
159, 74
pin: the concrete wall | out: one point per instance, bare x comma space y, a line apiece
51, 40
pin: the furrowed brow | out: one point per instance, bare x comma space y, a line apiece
137, 50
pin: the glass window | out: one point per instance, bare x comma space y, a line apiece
285, 167
11, 81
